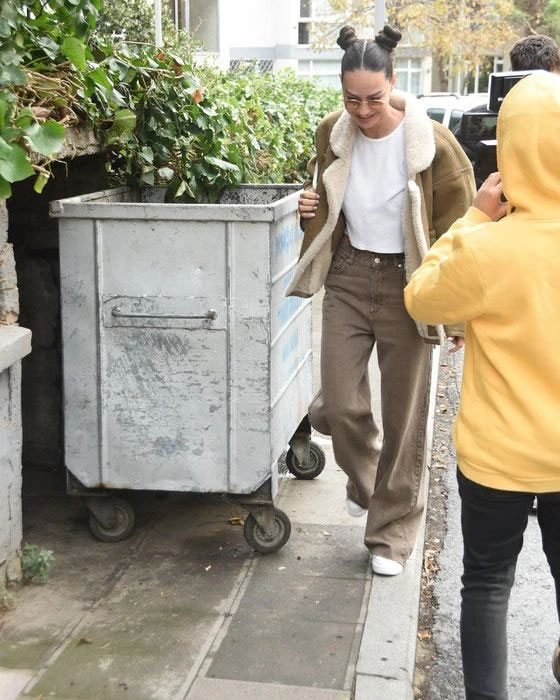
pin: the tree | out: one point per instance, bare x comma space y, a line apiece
541, 17
458, 32
552, 18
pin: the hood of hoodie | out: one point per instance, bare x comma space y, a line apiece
529, 145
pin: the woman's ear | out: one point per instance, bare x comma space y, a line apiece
393, 81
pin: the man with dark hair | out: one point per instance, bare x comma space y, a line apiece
535, 52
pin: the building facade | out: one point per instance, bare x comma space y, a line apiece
279, 34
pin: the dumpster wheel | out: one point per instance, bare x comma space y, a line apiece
120, 528
311, 467
257, 538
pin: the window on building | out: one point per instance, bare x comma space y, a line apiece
409, 72
311, 11
303, 33
478, 78
324, 71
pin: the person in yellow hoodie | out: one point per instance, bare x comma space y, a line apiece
498, 269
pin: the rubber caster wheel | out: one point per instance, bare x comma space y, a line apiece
123, 525
310, 469
257, 539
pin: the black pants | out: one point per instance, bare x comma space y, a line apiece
493, 523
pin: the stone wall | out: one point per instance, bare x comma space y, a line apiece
9, 303
15, 342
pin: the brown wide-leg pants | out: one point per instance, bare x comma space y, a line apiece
364, 305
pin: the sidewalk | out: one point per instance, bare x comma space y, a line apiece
184, 609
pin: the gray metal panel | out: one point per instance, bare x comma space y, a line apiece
163, 258
80, 344
249, 357
163, 375
164, 409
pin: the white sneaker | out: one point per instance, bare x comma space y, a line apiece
354, 509
385, 567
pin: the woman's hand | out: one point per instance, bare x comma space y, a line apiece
488, 198
457, 342
308, 203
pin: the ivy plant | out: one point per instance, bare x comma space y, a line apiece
163, 118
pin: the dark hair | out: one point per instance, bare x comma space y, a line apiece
534, 52
370, 54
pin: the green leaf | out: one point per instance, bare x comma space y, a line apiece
14, 164
24, 118
12, 74
147, 178
125, 120
100, 77
183, 187
75, 52
5, 189
3, 110
166, 173
46, 139
5, 29
49, 46
222, 164
147, 154
40, 182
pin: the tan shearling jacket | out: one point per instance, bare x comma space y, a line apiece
440, 189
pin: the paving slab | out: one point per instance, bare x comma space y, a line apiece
153, 623
13, 681
216, 689
307, 602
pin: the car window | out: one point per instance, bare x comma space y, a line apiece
455, 118
436, 113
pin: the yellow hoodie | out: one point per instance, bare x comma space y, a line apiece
503, 279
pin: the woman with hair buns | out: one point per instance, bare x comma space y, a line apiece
386, 181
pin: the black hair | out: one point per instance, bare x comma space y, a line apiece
535, 52
368, 54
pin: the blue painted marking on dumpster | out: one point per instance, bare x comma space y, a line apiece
288, 237
290, 345
288, 308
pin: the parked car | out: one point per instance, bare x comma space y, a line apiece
447, 107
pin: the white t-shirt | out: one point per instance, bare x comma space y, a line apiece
375, 193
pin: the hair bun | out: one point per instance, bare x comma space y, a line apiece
347, 37
388, 38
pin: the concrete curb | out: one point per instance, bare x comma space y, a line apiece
386, 661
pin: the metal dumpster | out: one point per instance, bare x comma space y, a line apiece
185, 366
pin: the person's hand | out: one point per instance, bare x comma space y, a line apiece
488, 197
457, 342
308, 203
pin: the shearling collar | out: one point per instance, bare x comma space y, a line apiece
420, 144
